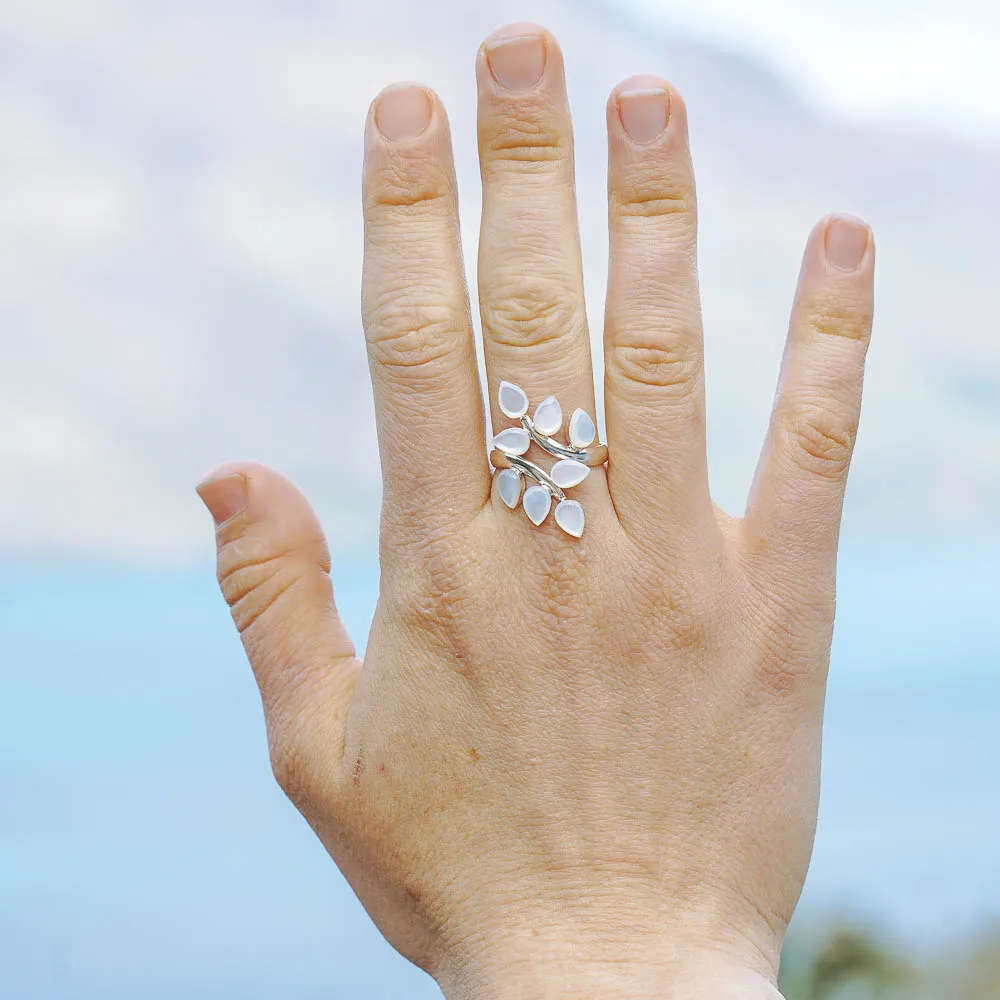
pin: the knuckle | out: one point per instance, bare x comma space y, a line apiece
406, 187
822, 440
653, 197
674, 367
407, 335
523, 142
831, 317
254, 583
791, 636
429, 588
530, 311
775, 634
678, 609
684, 622
291, 766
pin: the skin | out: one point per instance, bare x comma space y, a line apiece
565, 767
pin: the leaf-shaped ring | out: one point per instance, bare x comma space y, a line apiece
575, 460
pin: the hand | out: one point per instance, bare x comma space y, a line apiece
566, 767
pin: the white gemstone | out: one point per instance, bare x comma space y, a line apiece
513, 441
581, 430
548, 416
537, 501
509, 487
570, 517
569, 473
513, 400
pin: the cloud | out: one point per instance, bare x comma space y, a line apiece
180, 259
914, 60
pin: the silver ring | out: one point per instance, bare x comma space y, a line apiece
575, 459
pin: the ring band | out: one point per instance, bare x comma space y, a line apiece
592, 457
575, 459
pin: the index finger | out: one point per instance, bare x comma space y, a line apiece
417, 323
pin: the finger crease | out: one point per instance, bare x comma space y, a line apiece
284, 588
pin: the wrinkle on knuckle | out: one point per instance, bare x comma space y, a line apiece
431, 591
254, 583
685, 621
822, 440
531, 312
523, 142
836, 319
412, 336
670, 367
791, 634
652, 199
407, 187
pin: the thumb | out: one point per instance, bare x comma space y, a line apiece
273, 568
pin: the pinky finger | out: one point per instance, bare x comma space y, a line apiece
794, 510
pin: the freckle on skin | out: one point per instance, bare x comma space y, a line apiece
473, 753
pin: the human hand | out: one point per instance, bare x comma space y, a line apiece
566, 767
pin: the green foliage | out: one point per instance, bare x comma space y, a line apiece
852, 963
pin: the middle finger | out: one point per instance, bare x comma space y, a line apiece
530, 269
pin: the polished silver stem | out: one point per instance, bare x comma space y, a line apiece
538, 474
551, 446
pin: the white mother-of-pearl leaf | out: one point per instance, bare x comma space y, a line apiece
509, 484
548, 416
569, 473
513, 400
581, 429
537, 501
513, 441
570, 517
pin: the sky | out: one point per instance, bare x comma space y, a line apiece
178, 284
919, 60
180, 237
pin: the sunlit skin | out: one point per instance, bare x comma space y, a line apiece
566, 768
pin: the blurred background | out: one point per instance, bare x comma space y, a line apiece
179, 281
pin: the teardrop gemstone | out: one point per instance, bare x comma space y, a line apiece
581, 429
570, 517
513, 441
548, 416
513, 400
509, 484
537, 501
569, 473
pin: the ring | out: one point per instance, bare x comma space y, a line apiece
575, 460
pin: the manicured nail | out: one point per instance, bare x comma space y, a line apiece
403, 111
518, 61
225, 496
846, 241
644, 113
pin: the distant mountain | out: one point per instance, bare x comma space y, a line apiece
180, 259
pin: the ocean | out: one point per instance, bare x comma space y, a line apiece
146, 851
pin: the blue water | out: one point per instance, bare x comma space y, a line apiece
145, 851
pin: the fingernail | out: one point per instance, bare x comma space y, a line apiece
225, 496
403, 111
846, 241
517, 62
644, 113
